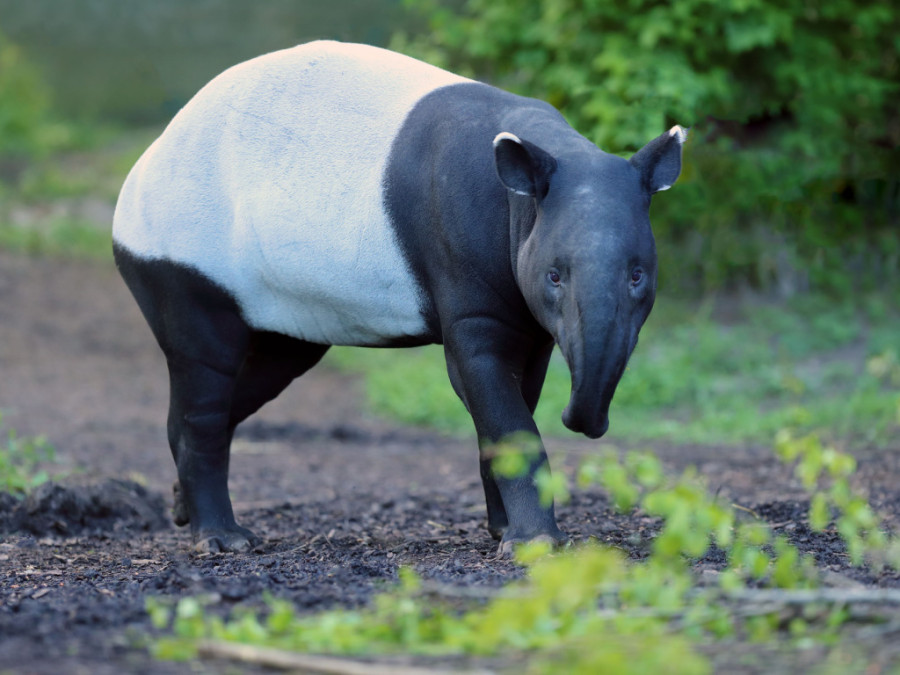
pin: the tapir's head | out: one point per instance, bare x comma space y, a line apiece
586, 265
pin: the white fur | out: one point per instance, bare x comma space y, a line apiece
269, 182
680, 134
506, 136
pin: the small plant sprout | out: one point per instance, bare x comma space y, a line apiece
20, 461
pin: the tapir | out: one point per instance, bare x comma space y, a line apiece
341, 194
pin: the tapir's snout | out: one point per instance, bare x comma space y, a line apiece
596, 366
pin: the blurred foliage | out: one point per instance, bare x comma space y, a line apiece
29, 128
23, 103
791, 172
854, 520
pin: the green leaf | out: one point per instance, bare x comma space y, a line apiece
818, 512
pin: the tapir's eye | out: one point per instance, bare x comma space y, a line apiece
553, 276
637, 274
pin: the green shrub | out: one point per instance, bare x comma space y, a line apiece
23, 104
791, 173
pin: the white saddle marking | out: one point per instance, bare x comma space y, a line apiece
269, 182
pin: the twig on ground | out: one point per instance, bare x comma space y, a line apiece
314, 663
834, 596
468, 592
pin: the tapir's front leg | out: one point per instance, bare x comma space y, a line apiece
487, 361
532, 382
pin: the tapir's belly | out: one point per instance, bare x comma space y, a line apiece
269, 182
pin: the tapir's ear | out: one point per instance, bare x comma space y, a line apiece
523, 167
659, 162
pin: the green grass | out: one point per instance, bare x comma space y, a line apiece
60, 204
90, 162
61, 238
407, 385
811, 364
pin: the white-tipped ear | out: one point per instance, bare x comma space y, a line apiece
523, 167
659, 162
679, 133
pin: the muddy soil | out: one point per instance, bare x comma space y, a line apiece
342, 499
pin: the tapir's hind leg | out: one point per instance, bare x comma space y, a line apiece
272, 362
205, 341
200, 438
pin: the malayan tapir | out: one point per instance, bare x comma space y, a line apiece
340, 194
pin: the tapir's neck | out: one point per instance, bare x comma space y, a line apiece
522, 215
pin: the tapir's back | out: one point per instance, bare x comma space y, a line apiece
269, 183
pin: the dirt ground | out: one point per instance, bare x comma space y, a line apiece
341, 499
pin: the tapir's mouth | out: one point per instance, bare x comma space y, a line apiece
592, 426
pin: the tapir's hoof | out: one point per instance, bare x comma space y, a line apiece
507, 547
238, 540
180, 513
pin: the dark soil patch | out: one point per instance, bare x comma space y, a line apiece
109, 507
341, 499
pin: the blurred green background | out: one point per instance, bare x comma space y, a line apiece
136, 61
779, 246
